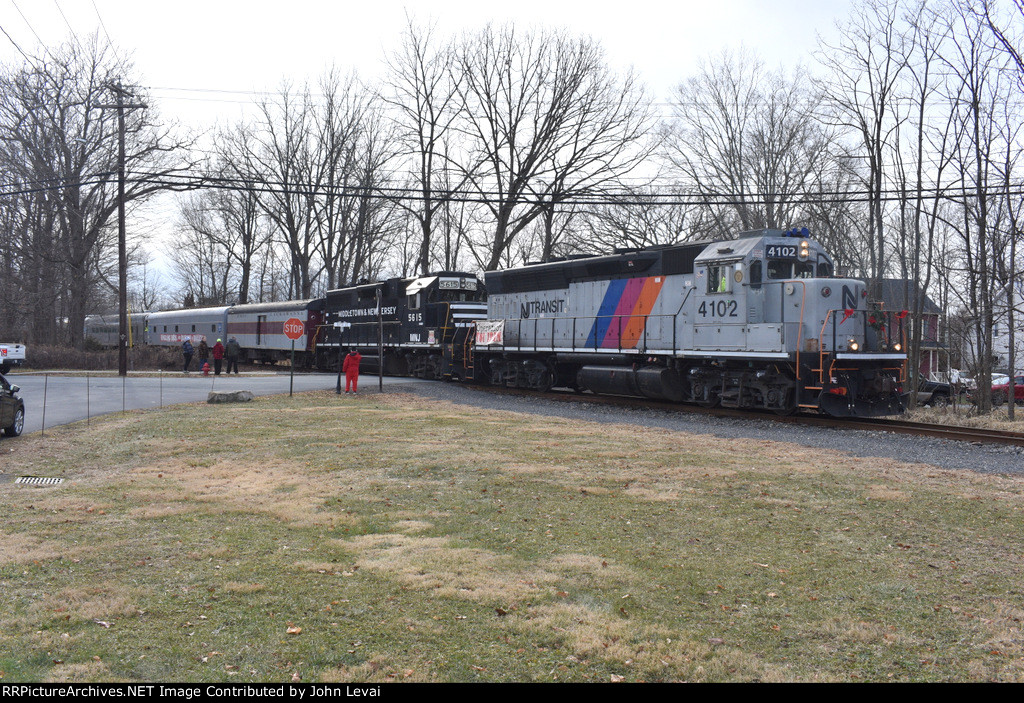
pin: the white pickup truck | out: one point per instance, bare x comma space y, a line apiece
11, 354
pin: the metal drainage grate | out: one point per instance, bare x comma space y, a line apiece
38, 480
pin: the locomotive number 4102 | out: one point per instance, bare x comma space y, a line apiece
781, 251
717, 308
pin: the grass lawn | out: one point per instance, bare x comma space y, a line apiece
391, 538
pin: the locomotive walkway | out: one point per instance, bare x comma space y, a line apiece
71, 397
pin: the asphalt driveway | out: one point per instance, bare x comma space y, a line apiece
59, 399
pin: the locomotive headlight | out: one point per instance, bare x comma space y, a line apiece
897, 346
853, 345
805, 250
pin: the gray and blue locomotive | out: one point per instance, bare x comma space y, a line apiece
755, 322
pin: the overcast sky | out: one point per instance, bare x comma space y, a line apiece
204, 61
204, 58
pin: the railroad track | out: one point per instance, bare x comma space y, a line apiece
973, 435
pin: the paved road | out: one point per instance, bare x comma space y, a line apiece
73, 398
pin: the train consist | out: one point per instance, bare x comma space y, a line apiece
756, 322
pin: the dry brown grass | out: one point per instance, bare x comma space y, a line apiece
551, 551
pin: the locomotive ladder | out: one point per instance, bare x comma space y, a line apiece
467, 356
815, 371
819, 370
467, 353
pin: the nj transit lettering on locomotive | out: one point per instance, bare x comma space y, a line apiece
541, 307
849, 298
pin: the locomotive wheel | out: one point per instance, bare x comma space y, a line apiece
788, 407
544, 382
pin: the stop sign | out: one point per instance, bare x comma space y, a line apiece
293, 328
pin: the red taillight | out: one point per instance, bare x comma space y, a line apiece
839, 390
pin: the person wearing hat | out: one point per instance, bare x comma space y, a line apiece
351, 369
186, 351
232, 351
218, 357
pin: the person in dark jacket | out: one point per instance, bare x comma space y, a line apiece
231, 352
351, 369
187, 351
218, 357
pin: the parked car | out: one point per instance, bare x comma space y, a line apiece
935, 393
12, 409
1001, 391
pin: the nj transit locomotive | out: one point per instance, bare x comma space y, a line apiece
755, 322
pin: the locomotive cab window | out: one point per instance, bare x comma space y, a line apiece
783, 269
718, 279
451, 296
755, 273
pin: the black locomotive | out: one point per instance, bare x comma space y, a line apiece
423, 326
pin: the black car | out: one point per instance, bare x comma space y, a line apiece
935, 393
12, 409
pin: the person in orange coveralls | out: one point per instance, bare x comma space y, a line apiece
351, 369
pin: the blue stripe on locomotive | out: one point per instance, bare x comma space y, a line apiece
606, 311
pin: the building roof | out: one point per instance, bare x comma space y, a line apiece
900, 293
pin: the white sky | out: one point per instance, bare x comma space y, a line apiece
204, 60
187, 48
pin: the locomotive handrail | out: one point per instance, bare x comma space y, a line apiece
573, 345
675, 324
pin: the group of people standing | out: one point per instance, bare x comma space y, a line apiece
231, 352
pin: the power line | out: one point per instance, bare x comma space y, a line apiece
102, 23
27, 23
185, 181
15, 44
61, 11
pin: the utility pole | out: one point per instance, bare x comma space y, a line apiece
122, 246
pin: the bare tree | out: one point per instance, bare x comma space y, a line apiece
200, 260
631, 221
744, 140
977, 81
239, 225
541, 113
61, 145
921, 160
860, 90
423, 91
1010, 43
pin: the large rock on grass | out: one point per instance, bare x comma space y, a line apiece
229, 397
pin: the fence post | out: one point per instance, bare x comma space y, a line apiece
46, 383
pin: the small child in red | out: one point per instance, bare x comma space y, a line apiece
351, 369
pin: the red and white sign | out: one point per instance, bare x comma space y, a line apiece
293, 328
490, 332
